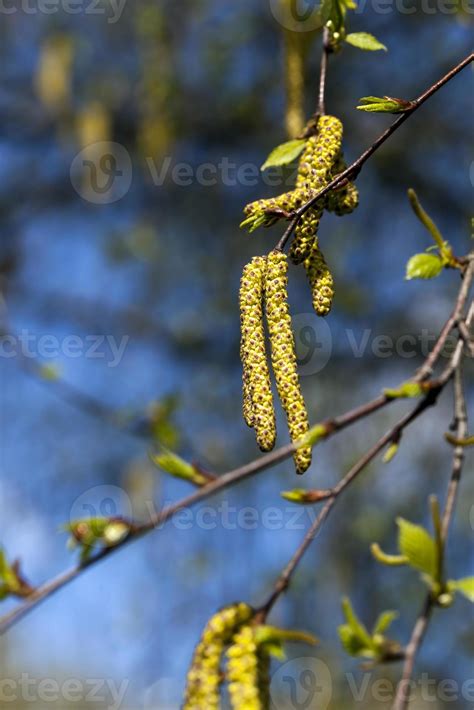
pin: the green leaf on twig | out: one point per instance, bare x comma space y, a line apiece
357, 640
12, 582
391, 452
284, 154
417, 545
465, 586
454, 441
442, 246
304, 497
408, 390
89, 533
178, 467
424, 266
389, 560
383, 104
384, 621
365, 41
354, 636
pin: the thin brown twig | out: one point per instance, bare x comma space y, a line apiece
220, 483
393, 434
466, 336
323, 73
331, 426
354, 169
461, 428
402, 698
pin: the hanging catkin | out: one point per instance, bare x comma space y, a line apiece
257, 391
314, 173
204, 676
284, 354
320, 280
342, 201
248, 672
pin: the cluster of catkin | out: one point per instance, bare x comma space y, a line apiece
234, 636
264, 291
320, 161
205, 676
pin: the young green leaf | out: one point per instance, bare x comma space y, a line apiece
383, 104
352, 644
384, 559
273, 639
11, 579
88, 533
314, 435
408, 389
365, 41
357, 627
391, 453
465, 586
305, 497
454, 441
178, 467
424, 266
384, 621
284, 153
417, 545
272, 634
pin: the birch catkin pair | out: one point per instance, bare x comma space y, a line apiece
248, 665
264, 287
204, 676
234, 634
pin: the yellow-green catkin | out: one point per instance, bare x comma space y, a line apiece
321, 281
345, 200
286, 202
247, 406
257, 390
314, 173
248, 667
204, 677
283, 354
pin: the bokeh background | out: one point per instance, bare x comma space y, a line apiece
157, 269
